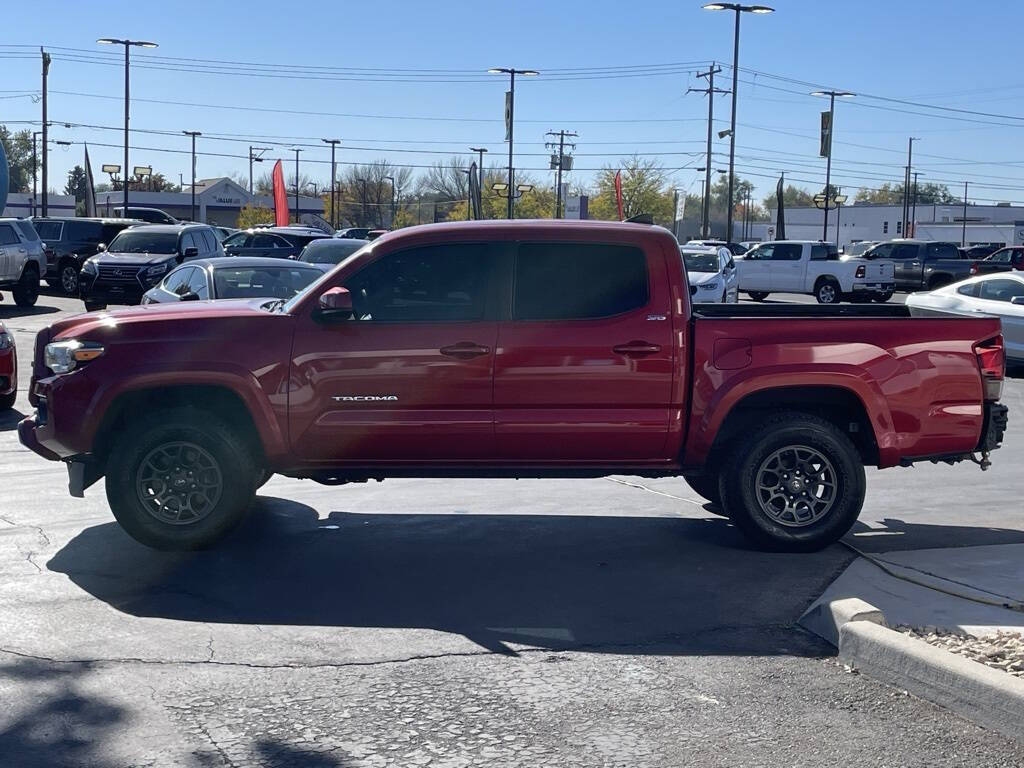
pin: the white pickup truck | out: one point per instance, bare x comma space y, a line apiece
806, 266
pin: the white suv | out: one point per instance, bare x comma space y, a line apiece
22, 260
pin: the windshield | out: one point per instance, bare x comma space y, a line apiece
330, 251
701, 262
141, 241
259, 282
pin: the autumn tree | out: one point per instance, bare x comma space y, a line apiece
792, 197
254, 215
645, 189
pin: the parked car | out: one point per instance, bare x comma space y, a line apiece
8, 369
149, 215
1014, 256
138, 258
22, 260
326, 253
980, 250
748, 244
373, 234
273, 242
1000, 294
237, 277
509, 348
928, 264
856, 250
736, 249
70, 241
223, 233
354, 233
812, 267
711, 273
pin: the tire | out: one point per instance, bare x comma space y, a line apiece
725, 297
758, 295
26, 292
784, 521
68, 278
7, 401
93, 306
263, 478
205, 446
883, 297
827, 291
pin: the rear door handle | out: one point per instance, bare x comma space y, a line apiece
636, 349
465, 350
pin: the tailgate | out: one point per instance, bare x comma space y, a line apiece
878, 271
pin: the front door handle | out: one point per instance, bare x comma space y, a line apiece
636, 349
465, 350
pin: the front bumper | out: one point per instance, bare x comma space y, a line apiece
91, 288
27, 434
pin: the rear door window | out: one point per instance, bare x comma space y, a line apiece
904, 252
941, 251
7, 235
571, 281
787, 252
27, 230
177, 281
819, 253
197, 283
49, 230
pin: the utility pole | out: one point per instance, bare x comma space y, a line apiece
705, 225
913, 215
46, 164
35, 169
906, 184
296, 150
561, 164
963, 231
334, 144
255, 158
193, 134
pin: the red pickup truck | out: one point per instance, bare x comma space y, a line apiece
509, 349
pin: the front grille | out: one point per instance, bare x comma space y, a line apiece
119, 274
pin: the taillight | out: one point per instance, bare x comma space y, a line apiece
992, 362
974, 269
861, 271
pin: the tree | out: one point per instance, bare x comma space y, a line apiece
893, 194
253, 215
538, 203
366, 194
18, 147
644, 190
76, 183
792, 197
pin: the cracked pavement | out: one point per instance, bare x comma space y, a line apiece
458, 623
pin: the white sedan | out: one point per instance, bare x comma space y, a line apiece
712, 274
1000, 294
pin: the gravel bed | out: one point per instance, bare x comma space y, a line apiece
1003, 650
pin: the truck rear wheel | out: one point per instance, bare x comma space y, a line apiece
827, 291
797, 484
758, 295
180, 480
26, 292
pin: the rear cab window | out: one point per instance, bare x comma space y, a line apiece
578, 281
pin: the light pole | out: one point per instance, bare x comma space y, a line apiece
480, 167
963, 230
255, 159
735, 72
510, 117
296, 150
127, 97
362, 183
705, 199
392, 180
913, 215
193, 134
906, 184
334, 145
828, 150
35, 167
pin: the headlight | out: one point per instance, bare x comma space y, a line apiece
156, 270
6, 340
708, 286
64, 356
90, 265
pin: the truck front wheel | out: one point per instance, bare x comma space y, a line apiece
797, 484
180, 480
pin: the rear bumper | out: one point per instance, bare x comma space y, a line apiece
994, 426
878, 288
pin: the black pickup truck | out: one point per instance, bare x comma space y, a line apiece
929, 264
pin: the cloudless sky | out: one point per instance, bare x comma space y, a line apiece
956, 54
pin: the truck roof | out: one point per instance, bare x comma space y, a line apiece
518, 228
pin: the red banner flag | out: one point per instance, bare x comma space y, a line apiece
280, 197
618, 193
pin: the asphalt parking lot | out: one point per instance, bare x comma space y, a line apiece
458, 623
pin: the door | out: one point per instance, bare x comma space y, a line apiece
787, 268
585, 362
908, 267
408, 377
752, 268
995, 296
176, 284
266, 244
9, 243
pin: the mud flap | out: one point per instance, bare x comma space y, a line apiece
82, 474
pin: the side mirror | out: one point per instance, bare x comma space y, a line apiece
191, 253
190, 296
731, 264
1018, 300
693, 290
336, 303
101, 247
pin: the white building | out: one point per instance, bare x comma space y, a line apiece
1002, 223
22, 205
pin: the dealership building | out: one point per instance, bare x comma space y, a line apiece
1001, 223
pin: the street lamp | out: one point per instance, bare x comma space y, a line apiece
828, 149
255, 159
510, 115
334, 145
127, 46
392, 180
739, 9
296, 150
193, 134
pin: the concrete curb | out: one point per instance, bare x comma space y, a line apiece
983, 695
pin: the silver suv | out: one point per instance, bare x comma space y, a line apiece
22, 260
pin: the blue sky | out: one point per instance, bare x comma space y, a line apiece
937, 53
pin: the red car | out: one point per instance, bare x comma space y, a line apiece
509, 349
8, 369
1014, 256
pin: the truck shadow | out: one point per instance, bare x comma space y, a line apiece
609, 584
